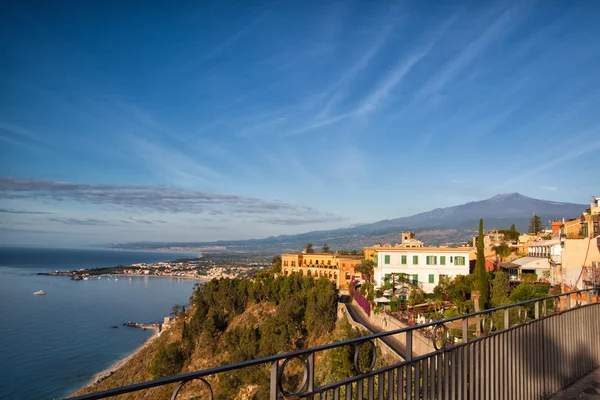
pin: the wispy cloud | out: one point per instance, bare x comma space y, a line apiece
85, 222
494, 32
230, 41
302, 220
21, 131
553, 188
12, 211
158, 199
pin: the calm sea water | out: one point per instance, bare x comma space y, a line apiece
51, 345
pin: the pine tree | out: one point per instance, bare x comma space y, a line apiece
481, 282
535, 225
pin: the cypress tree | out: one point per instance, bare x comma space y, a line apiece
481, 282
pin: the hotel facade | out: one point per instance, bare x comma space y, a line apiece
422, 265
339, 269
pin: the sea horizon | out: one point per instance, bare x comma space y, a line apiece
57, 342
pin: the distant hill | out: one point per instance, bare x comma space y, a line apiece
450, 226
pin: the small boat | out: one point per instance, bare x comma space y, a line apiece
39, 293
114, 326
85, 278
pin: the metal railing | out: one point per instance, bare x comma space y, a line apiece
528, 350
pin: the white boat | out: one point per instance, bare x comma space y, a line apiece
39, 293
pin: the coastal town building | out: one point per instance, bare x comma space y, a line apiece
337, 268
422, 265
574, 250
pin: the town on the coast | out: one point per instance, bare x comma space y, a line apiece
320, 296
565, 253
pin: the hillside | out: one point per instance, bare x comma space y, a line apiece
236, 320
448, 226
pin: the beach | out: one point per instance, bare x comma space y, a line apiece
117, 364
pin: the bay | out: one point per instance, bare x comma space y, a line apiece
51, 345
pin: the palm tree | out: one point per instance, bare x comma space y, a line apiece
503, 250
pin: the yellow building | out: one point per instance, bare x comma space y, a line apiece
337, 268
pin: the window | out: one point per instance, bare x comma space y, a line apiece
450, 259
387, 259
415, 260
285, 263
404, 260
442, 260
431, 278
431, 260
293, 263
459, 260
347, 276
328, 262
415, 279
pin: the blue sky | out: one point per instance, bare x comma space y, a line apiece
195, 121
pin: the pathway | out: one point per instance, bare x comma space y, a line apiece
391, 341
587, 387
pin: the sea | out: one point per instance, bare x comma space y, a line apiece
53, 344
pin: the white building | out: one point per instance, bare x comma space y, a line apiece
552, 251
423, 265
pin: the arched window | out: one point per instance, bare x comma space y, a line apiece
335, 276
330, 275
317, 262
328, 262
347, 276
285, 271
308, 273
301, 272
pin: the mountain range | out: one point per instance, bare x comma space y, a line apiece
447, 226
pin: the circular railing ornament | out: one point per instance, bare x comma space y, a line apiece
578, 299
444, 339
182, 384
522, 315
373, 357
484, 322
303, 385
556, 305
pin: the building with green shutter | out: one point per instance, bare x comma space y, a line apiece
421, 265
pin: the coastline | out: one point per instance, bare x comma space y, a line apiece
117, 364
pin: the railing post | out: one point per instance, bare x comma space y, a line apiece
506, 318
273, 388
568, 302
465, 330
537, 310
408, 357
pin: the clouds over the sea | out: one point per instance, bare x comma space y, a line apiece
157, 199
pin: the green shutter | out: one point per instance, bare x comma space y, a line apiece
442, 260
415, 279
431, 278
387, 259
404, 260
375, 258
415, 260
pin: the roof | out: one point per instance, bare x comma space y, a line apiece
540, 262
509, 265
424, 249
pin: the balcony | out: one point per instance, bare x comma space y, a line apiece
528, 350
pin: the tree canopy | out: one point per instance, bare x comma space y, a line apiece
535, 225
481, 283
